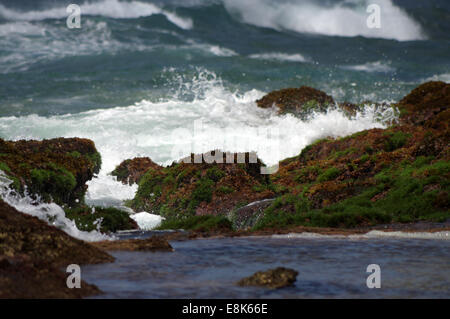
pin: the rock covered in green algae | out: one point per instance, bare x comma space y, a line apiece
273, 278
185, 189
110, 219
56, 170
299, 101
32, 254
424, 105
131, 171
399, 174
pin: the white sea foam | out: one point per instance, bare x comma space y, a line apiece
445, 77
374, 234
107, 8
277, 56
346, 18
166, 130
371, 67
147, 221
49, 212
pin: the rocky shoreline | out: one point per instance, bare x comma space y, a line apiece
393, 179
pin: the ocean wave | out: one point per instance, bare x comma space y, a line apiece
346, 18
29, 43
278, 56
445, 77
107, 8
166, 130
370, 67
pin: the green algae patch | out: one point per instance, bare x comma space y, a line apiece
187, 189
198, 223
54, 170
106, 220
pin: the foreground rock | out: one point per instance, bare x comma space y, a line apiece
152, 244
32, 254
131, 171
274, 278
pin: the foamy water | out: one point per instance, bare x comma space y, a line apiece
172, 129
49, 212
346, 19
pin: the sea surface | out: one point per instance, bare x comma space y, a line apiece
329, 267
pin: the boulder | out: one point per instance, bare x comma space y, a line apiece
194, 186
152, 244
274, 278
32, 254
428, 105
298, 101
131, 171
57, 170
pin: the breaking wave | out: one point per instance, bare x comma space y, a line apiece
345, 18
107, 8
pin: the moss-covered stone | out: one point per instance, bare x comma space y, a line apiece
56, 170
132, 170
301, 101
106, 220
202, 188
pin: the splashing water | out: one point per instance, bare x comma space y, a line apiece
49, 212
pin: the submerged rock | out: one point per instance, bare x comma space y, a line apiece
299, 101
152, 244
274, 278
32, 254
131, 171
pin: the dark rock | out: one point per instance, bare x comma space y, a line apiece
32, 254
299, 101
131, 171
425, 103
274, 278
247, 216
195, 187
152, 244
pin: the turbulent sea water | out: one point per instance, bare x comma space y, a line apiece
137, 75
163, 78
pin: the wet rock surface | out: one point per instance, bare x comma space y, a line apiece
152, 244
32, 254
57, 170
299, 101
195, 187
274, 278
131, 171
